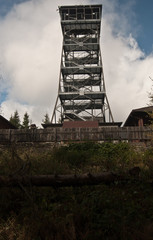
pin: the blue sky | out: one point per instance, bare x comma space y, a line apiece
30, 54
141, 22
144, 10
6, 5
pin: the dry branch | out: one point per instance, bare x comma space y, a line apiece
59, 180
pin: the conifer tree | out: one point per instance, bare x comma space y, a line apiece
151, 104
15, 119
151, 94
46, 119
26, 121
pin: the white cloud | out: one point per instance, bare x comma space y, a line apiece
127, 72
30, 51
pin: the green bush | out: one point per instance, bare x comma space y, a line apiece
148, 160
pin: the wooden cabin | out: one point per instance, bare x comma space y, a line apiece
140, 117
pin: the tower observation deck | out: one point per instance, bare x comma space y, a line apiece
81, 94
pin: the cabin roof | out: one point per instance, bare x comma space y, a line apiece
139, 113
4, 123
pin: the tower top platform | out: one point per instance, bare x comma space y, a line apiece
80, 12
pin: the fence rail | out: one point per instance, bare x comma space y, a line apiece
76, 134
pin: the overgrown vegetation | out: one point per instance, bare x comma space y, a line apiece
118, 211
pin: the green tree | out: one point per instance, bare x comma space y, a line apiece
15, 119
46, 119
151, 94
26, 121
151, 104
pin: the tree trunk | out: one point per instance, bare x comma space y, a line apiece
59, 180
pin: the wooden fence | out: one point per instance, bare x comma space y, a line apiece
129, 134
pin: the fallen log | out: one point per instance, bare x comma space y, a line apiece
59, 180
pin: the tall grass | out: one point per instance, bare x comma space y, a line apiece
119, 211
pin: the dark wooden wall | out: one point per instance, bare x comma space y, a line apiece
76, 134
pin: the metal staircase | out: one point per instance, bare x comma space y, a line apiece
81, 93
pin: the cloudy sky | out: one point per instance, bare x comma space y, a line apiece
30, 49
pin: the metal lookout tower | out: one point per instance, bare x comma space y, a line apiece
81, 94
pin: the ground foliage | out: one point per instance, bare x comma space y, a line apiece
118, 211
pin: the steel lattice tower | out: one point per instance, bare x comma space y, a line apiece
82, 94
